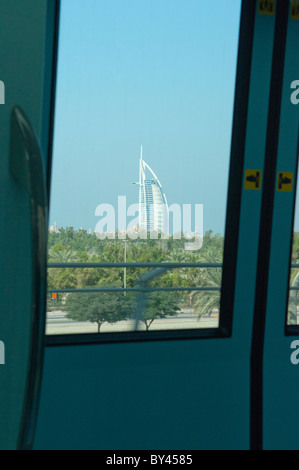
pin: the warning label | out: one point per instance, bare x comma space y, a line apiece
252, 179
295, 9
285, 181
266, 7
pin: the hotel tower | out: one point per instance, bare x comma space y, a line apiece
153, 208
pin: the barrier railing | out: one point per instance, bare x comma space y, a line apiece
142, 286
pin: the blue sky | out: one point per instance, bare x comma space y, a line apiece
156, 73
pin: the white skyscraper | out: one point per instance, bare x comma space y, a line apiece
153, 208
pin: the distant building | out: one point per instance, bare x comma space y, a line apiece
153, 208
54, 228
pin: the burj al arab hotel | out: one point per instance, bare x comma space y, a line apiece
153, 208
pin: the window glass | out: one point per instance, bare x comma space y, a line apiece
293, 304
143, 120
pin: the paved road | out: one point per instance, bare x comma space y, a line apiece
58, 324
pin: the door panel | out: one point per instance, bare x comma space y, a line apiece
175, 394
280, 379
153, 395
26, 45
233, 386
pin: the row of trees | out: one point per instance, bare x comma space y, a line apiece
112, 307
69, 245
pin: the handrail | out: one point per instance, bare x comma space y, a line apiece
167, 265
142, 287
129, 289
26, 166
164, 266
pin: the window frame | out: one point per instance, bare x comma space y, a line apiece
233, 207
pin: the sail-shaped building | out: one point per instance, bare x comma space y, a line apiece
153, 208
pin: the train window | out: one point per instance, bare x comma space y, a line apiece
293, 301
143, 123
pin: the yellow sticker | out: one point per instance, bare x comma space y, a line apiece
285, 181
266, 7
295, 9
252, 179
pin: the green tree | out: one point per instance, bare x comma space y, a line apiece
69, 245
295, 247
60, 278
60, 254
206, 301
99, 307
159, 304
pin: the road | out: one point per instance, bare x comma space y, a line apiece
58, 324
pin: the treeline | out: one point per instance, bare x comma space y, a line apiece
295, 248
69, 245
82, 244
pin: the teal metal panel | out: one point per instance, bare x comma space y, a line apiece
152, 395
281, 377
254, 160
23, 46
168, 394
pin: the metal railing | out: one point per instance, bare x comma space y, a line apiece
142, 286
165, 266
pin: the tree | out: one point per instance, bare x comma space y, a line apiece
59, 254
159, 304
69, 245
99, 307
176, 255
60, 278
208, 300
